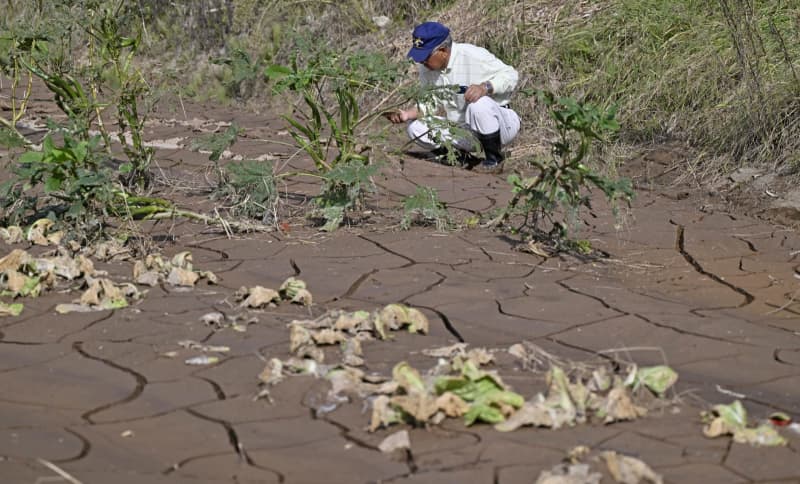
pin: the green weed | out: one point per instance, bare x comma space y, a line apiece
562, 181
76, 185
326, 130
424, 207
248, 187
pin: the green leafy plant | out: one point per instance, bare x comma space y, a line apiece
344, 188
248, 186
251, 187
330, 87
424, 207
308, 134
76, 185
84, 88
216, 144
564, 180
242, 73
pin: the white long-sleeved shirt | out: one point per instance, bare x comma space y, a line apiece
468, 64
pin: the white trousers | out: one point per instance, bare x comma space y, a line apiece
484, 116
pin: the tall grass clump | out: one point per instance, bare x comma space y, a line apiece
721, 75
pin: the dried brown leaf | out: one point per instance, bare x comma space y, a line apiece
452, 405
618, 406
37, 233
383, 415
182, 277
629, 470
12, 234
258, 297
272, 372
353, 322
397, 441
16, 259
417, 321
299, 337
328, 337
420, 406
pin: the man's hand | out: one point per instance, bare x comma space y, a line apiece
401, 115
475, 92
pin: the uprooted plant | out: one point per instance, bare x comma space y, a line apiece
562, 182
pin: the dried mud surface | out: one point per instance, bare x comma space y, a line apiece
711, 293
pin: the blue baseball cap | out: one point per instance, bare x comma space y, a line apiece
426, 37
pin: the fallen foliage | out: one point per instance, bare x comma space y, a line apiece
102, 294
579, 469
178, 271
258, 297
732, 420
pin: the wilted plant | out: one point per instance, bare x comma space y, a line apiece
563, 180
112, 53
11, 65
344, 188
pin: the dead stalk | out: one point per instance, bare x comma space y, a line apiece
61, 472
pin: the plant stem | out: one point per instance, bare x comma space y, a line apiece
238, 226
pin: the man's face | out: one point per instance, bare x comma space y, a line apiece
437, 61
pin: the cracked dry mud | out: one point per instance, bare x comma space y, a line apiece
712, 294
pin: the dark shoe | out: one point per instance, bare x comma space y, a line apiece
493, 149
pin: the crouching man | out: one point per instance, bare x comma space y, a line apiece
478, 87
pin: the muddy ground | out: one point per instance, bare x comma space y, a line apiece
684, 283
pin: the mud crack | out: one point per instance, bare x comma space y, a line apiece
447, 324
680, 247
233, 437
141, 381
377, 244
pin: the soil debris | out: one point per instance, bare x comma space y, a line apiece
203, 360
195, 345
219, 321
395, 442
